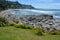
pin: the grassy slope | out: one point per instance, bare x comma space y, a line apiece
12, 33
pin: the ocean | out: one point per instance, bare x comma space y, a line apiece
54, 12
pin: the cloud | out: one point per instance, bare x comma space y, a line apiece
54, 5
46, 1
49, 5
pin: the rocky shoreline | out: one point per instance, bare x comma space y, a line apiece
47, 22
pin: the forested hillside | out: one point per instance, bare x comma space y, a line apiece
13, 5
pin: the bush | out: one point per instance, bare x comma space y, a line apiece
3, 22
55, 33
23, 26
28, 27
39, 31
20, 26
11, 24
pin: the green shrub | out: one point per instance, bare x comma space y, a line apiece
3, 22
19, 26
11, 24
23, 26
39, 31
55, 33
28, 27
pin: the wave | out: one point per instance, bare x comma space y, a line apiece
56, 16
40, 11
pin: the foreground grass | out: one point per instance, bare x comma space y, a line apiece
12, 33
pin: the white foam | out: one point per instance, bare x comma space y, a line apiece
56, 16
40, 11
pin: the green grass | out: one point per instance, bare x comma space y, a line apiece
12, 33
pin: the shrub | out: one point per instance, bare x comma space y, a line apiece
55, 33
19, 26
28, 27
3, 22
39, 31
11, 24
23, 26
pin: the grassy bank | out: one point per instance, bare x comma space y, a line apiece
13, 33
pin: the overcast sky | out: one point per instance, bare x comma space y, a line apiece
47, 4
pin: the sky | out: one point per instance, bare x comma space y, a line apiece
45, 4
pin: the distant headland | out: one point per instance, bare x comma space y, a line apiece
13, 5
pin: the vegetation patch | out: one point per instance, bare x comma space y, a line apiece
23, 26
12, 33
3, 22
55, 33
39, 31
